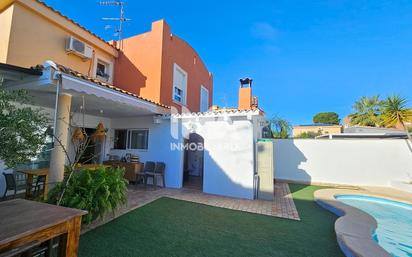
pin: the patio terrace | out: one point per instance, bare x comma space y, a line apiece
138, 196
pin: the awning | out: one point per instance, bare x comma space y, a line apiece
99, 98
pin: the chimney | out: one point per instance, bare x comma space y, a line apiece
246, 101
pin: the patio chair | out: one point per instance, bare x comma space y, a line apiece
148, 170
159, 171
14, 182
39, 186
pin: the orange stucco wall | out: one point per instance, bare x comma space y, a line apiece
146, 67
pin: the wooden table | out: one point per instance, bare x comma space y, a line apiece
32, 173
23, 222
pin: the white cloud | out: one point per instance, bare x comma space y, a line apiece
264, 30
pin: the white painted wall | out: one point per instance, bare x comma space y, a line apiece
229, 156
373, 162
159, 148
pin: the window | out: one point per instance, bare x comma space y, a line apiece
120, 138
179, 84
178, 96
138, 139
131, 139
204, 99
102, 70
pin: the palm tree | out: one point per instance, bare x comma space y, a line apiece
280, 127
396, 113
367, 112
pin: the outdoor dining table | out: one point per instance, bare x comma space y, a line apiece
26, 224
29, 182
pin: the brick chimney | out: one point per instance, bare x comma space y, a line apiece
246, 100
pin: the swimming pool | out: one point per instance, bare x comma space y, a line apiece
394, 231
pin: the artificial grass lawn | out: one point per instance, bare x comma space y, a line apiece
168, 227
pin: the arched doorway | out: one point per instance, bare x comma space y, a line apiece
193, 162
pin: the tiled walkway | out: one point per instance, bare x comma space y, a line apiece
283, 205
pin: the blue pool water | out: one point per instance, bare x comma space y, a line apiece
394, 231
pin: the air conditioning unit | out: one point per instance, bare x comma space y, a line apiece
77, 47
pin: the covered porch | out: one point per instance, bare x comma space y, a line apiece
72, 100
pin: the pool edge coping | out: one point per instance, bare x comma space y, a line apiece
354, 227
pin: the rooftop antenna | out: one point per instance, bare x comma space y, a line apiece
121, 19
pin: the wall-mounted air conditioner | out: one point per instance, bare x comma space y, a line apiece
77, 47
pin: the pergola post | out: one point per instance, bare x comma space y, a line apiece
61, 131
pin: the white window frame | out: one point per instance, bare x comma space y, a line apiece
129, 138
202, 88
184, 87
109, 66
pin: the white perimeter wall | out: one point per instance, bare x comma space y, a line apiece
373, 162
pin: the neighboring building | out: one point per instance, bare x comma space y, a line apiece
156, 65
131, 95
160, 66
316, 128
32, 33
367, 130
364, 132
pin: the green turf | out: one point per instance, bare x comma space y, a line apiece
168, 227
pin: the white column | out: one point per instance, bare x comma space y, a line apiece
61, 131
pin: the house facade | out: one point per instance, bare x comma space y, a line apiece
147, 98
160, 66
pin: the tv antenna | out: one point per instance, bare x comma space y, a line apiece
121, 19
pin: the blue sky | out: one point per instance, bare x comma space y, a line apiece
304, 56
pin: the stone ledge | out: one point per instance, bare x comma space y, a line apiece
354, 227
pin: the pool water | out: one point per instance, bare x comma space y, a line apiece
394, 231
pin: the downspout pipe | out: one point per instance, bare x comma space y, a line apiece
56, 75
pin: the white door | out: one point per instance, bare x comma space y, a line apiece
204, 99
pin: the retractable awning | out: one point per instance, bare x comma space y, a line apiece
98, 97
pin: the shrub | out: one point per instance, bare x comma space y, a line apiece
22, 128
309, 134
96, 191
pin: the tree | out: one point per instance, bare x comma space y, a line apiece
367, 112
22, 129
326, 118
395, 112
280, 127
